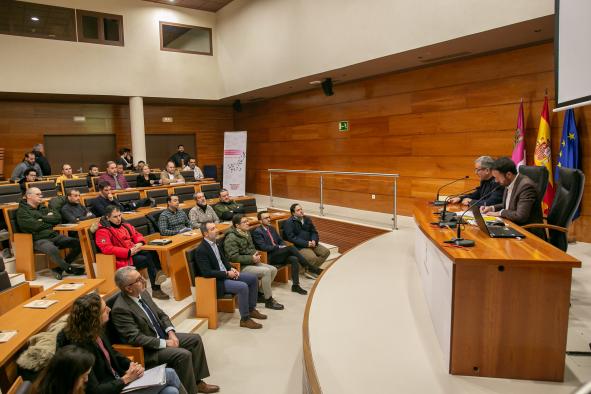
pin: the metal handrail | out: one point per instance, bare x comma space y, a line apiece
321, 173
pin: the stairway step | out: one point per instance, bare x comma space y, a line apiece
193, 325
16, 279
330, 247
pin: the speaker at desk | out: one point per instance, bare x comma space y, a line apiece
327, 87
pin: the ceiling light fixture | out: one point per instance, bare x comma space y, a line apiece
315, 82
34, 19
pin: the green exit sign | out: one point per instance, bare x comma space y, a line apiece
344, 125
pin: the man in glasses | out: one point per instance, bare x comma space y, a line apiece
483, 169
140, 322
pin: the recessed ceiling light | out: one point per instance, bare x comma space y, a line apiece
315, 82
34, 19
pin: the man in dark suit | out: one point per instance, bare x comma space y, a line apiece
140, 322
212, 263
519, 198
488, 188
300, 231
266, 238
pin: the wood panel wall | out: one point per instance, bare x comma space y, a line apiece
428, 125
23, 124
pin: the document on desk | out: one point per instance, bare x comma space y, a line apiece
152, 377
5, 336
69, 286
40, 304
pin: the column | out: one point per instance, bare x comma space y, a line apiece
138, 132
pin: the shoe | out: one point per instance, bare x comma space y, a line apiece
159, 294
261, 298
298, 289
272, 304
57, 273
310, 275
160, 278
257, 315
315, 270
249, 323
75, 270
203, 387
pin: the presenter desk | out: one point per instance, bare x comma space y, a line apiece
499, 308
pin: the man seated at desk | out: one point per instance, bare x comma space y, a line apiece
140, 322
226, 208
103, 200
33, 217
115, 237
72, 211
173, 220
93, 171
193, 167
113, 178
212, 263
520, 195
483, 168
30, 176
171, 175
28, 162
202, 213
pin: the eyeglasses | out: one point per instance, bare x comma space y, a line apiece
477, 170
139, 279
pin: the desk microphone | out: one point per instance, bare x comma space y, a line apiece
447, 216
458, 240
439, 203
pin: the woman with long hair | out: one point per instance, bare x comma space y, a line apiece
112, 371
146, 178
66, 373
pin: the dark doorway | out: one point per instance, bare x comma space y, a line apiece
159, 147
79, 151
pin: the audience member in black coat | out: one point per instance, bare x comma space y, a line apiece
300, 231
72, 211
105, 198
41, 159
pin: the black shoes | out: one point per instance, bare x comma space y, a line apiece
272, 304
58, 273
75, 270
298, 289
315, 270
261, 299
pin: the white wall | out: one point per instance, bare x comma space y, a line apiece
265, 42
139, 68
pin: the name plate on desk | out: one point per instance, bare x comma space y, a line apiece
40, 304
6, 336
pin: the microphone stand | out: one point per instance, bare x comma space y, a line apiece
438, 203
447, 219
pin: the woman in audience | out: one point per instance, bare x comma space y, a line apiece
112, 371
145, 178
66, 373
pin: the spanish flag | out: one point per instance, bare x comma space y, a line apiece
543, 155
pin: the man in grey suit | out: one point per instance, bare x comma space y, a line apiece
519, 198
140, 322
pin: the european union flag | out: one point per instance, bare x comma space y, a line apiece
568, 156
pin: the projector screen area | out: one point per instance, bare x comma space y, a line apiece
572, 48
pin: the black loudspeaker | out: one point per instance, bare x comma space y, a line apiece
237, 105
327, 87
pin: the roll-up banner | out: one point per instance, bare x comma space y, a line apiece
235, 162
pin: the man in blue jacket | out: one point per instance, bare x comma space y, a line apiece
266, 238
300, 231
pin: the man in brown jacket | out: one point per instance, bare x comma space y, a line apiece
519, 199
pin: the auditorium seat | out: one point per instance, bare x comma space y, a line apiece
78, 184
211, 190
159, 195
188, 175
143, 225
48, 188
131, 179
95, 182
153, 218
128, 197
184, 192
207, 305
12, 296
210, 171
10, 193
249, 204
4, 278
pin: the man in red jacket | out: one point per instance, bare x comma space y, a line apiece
114, 237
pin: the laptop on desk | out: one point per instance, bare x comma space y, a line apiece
494, 231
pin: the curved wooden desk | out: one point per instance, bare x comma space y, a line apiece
500, 308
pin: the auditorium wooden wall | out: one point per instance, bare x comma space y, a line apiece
427, 124
23, 124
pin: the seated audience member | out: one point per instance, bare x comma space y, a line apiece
483, 168
239, 248
115, 237
103, 200
519, 198
30, 175
40, 158
180, 158
140, 165
72, 211
28, 162
171, 175
146, 179
125, 159
93, 171
201, 212
66, 174
67, 372
300, 231
226, 208
111, 370
193, 167
120, 170
212, 263
266, 238
173, 220
140, 322
113, 178
33, 217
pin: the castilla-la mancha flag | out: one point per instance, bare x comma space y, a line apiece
543, 155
